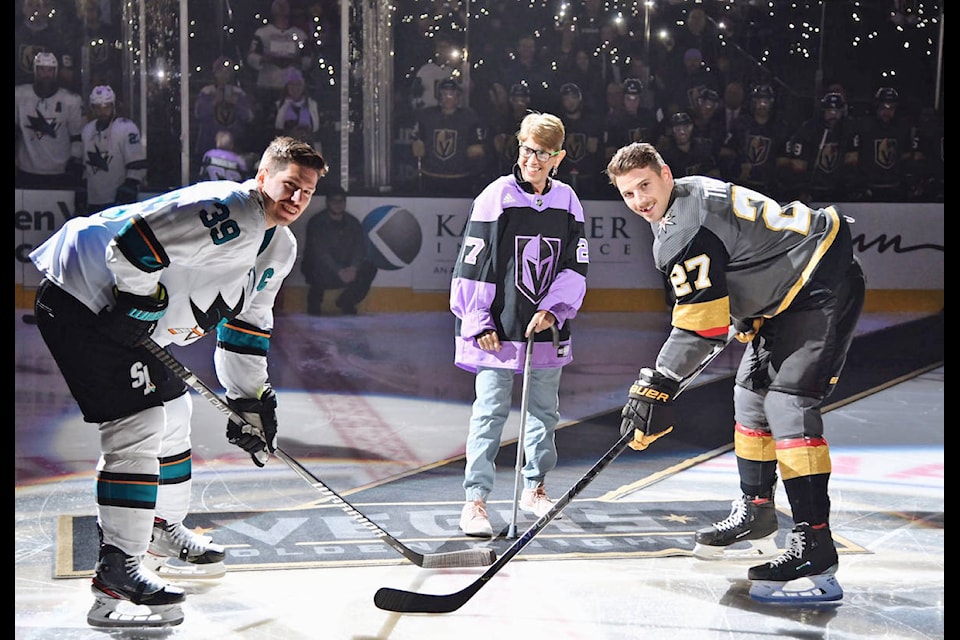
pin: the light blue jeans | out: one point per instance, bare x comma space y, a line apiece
494, 389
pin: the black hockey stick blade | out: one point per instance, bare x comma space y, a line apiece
402, 601
477, 557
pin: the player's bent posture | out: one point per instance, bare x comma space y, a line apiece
207, 257
787, 279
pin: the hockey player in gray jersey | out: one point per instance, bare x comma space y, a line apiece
205, 258
787, 280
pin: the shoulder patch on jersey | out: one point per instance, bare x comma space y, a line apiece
667, 219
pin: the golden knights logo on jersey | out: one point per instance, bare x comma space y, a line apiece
758, 149
828, 158
576, 146
444, 143
885, 152
536, 259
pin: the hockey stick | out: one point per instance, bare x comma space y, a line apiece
411, 602
477, 557
524, 403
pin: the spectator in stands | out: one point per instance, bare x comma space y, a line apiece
884, 152
684, 155
707, 127
635, 124
298, 115
222, 106
275, 47
585, 73
49, 121
581, 168
223, 162
637, 67
686, 88
759, 145
334, 256
449, 144
822, 155
732, 105
526, 68
441, 66
504, 130
114, 156
42, 29
100, 47
699, 34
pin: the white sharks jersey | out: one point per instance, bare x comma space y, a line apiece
206, 243
49, 129
111, 156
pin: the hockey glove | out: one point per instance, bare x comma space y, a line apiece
75, 169
128, 191
651, 390
747, 329
258, 434
132, 318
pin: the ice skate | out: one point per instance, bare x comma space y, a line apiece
126, 596
176, 553
749, 532
803, 574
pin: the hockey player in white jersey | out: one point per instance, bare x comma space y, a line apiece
201, 259
115, 160
49, 119
788, 280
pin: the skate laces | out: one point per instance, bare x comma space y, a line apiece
133, 569
795, 545
178, 535
738, 514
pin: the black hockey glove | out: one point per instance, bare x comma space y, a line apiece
132, 318
651, 390
258, 434
75, 169
127, 192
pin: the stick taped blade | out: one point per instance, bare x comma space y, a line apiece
466, 558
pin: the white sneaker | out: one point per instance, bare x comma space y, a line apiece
474, 520
535, 501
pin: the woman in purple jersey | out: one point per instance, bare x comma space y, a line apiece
522, 269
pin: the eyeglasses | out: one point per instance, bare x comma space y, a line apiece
542, 156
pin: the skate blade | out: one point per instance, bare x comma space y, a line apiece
113, 613
819, 589
172, 570
762, 549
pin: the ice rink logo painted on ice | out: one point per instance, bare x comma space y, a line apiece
394, 237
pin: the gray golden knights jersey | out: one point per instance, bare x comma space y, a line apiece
731, 253
208, 245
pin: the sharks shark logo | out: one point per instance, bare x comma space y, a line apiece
217, 313
537, 258
99, 160
43, 126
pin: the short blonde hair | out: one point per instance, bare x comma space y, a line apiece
545, 129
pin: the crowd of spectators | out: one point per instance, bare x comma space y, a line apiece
708, 104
